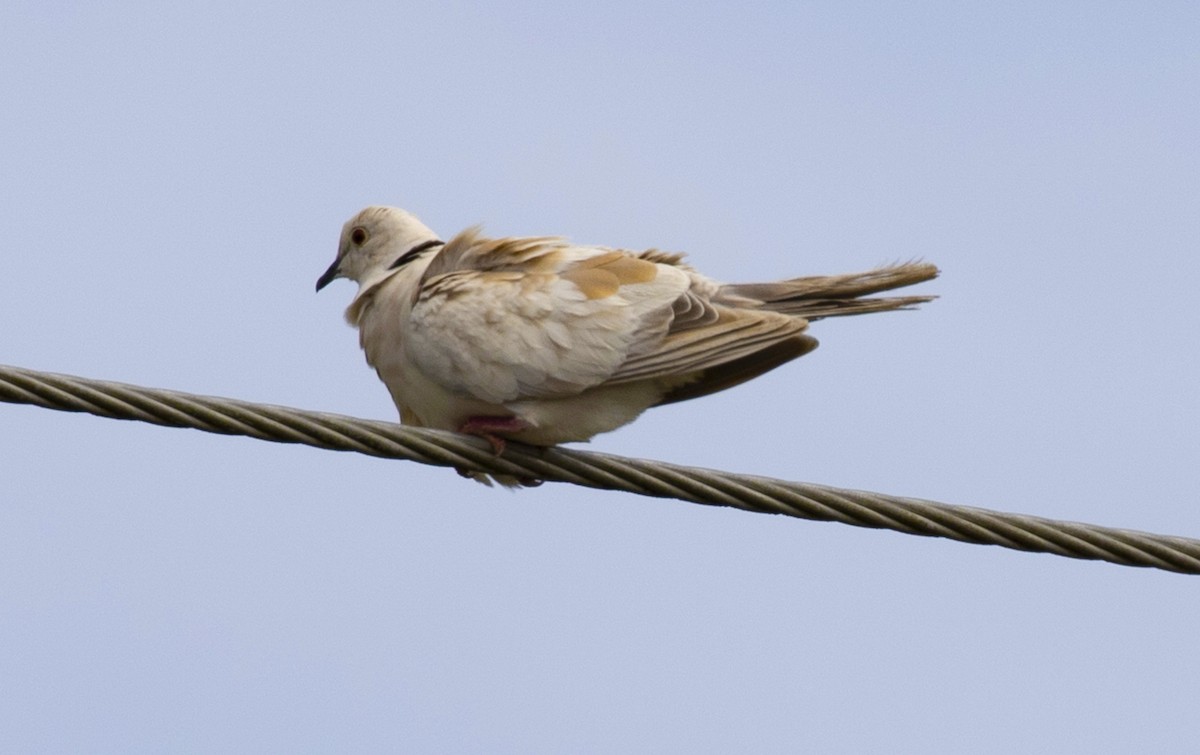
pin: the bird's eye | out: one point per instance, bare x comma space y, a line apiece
358, 236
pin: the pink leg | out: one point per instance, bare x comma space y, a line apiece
488, 427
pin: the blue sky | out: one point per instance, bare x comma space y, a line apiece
174, 179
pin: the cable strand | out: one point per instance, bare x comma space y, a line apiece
603, 471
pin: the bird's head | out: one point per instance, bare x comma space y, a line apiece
375, 241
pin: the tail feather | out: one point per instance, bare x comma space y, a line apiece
817, 296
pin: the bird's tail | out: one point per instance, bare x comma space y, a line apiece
817, 296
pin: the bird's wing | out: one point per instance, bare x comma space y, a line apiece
526, 318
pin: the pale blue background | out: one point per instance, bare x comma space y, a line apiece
173, 180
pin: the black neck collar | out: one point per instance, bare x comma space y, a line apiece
411, 254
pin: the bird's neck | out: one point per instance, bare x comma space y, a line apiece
407, 278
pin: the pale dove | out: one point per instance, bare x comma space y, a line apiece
543, 341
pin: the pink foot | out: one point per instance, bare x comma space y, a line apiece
487, 427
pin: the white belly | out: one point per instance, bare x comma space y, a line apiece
425, 403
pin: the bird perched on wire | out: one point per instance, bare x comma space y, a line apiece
542, 341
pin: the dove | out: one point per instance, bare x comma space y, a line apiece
543, 341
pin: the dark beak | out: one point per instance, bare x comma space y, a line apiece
328, 276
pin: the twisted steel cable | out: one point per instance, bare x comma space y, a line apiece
652, 478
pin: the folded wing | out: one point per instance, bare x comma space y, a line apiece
504, 320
